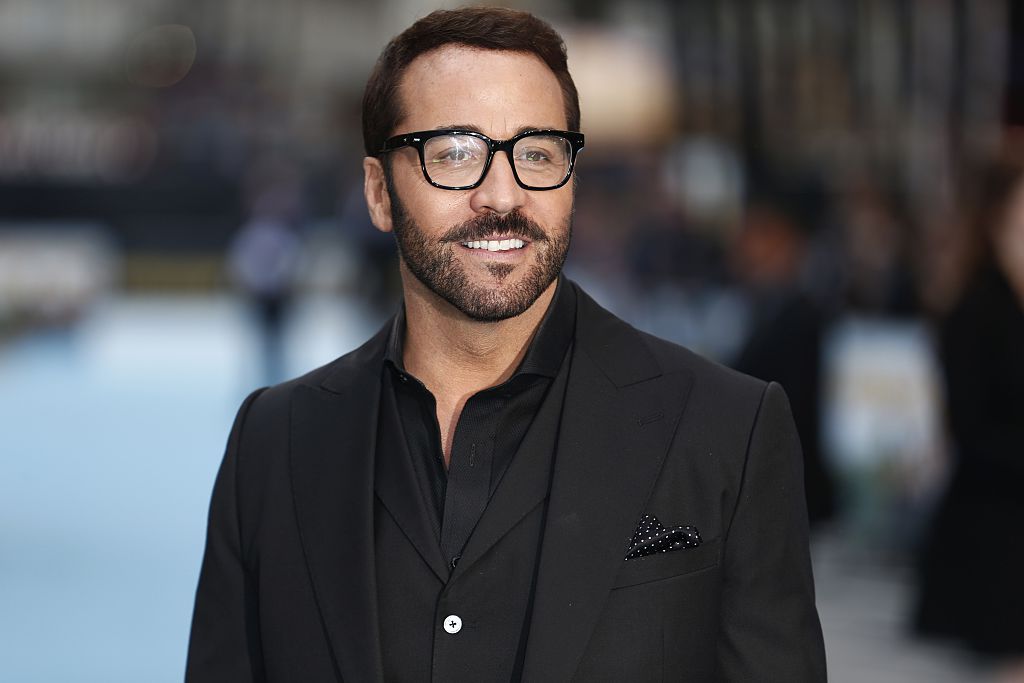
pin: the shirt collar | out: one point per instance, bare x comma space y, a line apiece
546, 351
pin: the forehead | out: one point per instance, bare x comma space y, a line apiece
498, 92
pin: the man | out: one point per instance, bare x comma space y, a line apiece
507, 482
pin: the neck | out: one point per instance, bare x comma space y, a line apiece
455, 355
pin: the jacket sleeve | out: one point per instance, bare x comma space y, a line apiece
770, 626
224, 644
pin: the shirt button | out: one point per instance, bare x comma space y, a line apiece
452, 623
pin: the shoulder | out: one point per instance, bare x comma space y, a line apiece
341, 373
316, 403
722, 402
271, 405
707, 374
619, 344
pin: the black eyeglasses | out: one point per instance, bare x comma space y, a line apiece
459, 159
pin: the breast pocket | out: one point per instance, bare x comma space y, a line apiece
668, 565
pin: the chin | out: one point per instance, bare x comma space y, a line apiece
489, 301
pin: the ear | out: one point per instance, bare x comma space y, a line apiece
375, 189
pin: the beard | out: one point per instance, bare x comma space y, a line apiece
433, 262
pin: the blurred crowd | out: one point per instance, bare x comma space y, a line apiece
825, 194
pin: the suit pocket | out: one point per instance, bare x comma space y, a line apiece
667, 565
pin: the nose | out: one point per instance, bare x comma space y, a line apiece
499, 192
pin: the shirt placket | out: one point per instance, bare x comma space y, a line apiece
469, 476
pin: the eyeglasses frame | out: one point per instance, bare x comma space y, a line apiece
417, 139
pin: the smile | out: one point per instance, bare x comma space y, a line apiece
495, 245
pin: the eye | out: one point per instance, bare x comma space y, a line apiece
453, 154
540, 151
535, 156
453, 150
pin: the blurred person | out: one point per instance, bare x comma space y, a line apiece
878, 277
378, 281
665, 248
263, 256
786, 325
506, 482
262, 259
972, 561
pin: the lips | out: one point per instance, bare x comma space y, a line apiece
496, 228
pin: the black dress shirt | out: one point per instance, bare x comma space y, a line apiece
489, 430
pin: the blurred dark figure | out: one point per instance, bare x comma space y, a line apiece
378, 281
878, 277
972, 564
784, 343
263, 257
667, 249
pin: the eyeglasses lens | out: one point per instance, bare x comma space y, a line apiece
455, 160
542, 160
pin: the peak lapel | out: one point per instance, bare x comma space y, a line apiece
619, 417
333, 430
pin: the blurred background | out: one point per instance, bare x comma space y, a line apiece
822, 193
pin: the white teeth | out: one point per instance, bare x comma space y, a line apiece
495, 245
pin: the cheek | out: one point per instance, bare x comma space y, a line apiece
434, 210
559, 209
551, 202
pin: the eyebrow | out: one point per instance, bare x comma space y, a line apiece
477, 129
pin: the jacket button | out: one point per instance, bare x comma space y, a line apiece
452, 623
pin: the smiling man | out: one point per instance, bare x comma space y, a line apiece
507, 482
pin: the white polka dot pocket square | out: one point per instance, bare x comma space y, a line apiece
652, 537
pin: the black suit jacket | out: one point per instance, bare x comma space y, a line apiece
287, 588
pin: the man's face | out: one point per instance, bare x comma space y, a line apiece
498, 94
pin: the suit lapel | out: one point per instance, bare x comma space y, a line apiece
333, 430
619, 417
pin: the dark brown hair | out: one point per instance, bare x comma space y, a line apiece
488, 28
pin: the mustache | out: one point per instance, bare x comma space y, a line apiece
513, 224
